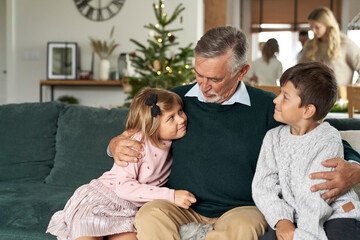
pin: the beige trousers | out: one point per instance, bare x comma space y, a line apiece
161, 219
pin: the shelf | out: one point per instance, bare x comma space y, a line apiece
77, 83
80, 83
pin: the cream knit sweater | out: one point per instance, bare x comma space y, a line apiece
344, 65
281, 185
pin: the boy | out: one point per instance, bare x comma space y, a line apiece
281, 185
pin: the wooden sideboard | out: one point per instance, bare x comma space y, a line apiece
76, 83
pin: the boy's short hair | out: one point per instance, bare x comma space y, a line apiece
316, 84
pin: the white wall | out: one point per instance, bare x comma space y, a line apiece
2, 51
349, 10
36, 22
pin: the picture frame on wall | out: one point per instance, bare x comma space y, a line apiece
62, 60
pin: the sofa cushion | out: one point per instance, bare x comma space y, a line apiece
27, 140
344, 124
26, 209
81, 142
353, 137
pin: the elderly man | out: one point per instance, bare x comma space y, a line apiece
217, 157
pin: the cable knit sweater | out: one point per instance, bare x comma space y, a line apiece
281, 185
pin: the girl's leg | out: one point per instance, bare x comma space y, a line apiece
342, 228
123, 236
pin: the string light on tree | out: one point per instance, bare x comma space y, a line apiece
162, 63
159, 40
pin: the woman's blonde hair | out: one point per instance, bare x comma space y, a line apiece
269, 49
326, 17
140, 118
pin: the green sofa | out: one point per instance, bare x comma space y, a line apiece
47, 150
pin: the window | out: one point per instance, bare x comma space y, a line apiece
282, 19
291, 13
288, 44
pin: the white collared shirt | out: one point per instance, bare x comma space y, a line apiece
240, 96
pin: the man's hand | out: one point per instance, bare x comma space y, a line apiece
285, 230
124, 150
184, 198
344, 177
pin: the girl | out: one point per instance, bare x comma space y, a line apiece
107, 205
267, 69
331, 47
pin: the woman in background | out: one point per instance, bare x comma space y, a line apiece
331, 47
267, 69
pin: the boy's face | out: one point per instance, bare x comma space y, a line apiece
287, 104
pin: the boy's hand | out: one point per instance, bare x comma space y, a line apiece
184, 198
124, 150
285, 230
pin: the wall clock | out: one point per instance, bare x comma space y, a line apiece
99, 10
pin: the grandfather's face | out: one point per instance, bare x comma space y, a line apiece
215, 81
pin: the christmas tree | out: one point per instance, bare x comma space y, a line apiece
156, 66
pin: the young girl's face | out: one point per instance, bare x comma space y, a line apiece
173, 123
318, 28
287, 104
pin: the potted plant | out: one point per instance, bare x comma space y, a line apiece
104, 50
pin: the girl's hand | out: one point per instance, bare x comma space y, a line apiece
184, 198
285, 230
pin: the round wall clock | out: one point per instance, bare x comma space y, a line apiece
99, 10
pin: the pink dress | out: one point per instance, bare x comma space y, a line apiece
108, 205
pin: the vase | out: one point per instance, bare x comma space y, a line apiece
104, 69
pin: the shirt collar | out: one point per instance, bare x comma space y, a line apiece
240, 96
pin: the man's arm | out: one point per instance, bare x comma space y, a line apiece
343, 178
124, 149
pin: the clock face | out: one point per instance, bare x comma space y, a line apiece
99, 10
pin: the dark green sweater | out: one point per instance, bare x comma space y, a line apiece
216, 159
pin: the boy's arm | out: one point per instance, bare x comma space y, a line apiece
343, 178
266, 190
313, 210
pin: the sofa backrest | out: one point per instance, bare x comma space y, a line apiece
81, 142
27, 140
349, 129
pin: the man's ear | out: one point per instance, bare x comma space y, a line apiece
243, 72
310, 111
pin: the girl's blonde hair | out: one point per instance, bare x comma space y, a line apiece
326, 17
269, 49
140, 118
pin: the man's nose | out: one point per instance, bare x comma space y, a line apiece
205, 85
